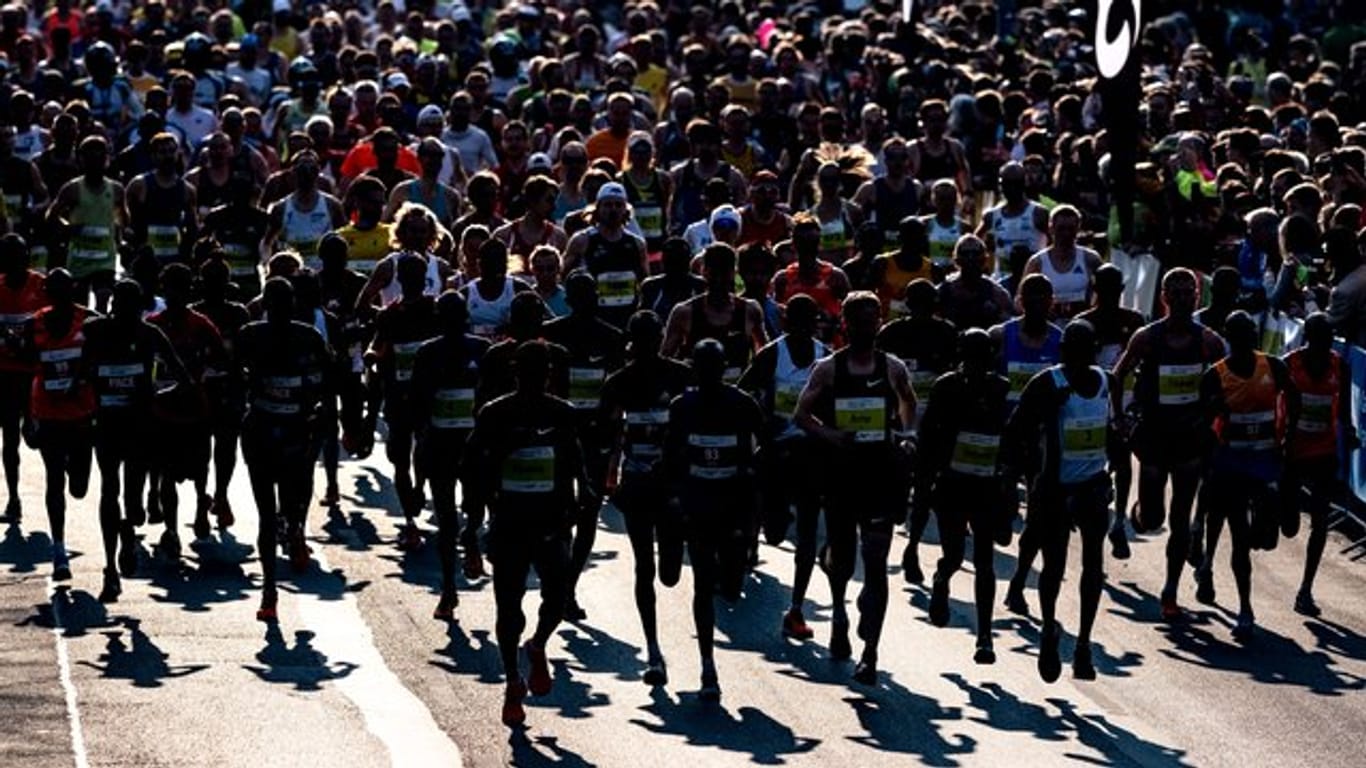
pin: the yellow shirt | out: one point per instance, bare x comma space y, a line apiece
654, 80
366, 247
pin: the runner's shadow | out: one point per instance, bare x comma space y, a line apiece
1269, 658
571, 697
354, 530
1132, 603
374, 490
77, 611
467, 658
139, 660
755, 733
1120, 747
301, 666
24, 553
325, 585
897, 720
542, 751
1334, 638
219, 577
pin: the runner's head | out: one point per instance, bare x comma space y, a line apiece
126, 304
1013, 182
676, 257
799, 316
545, 266
412, 275
367, 197
531, 365
14, 255
921, 296
1318, 333
581, 294
806, 237
914, 236
333, 251
1224, 286
214, 277
60, 288
1079, 344
645, 333
975, 352
1240, 330
1179, 292
526, 315
718, 267
177, 285
1109, 285
1063, 225
453, 313
610, 206
94, 151
306, 169
970, 254
756, 263
709, 362
862, 312
277, 297
493, 259
944, 194
1036, 296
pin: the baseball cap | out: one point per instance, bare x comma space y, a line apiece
396, 80
542, 160
611, 191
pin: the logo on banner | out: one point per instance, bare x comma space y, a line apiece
1112, 53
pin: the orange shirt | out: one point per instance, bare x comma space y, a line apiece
17, 307
606, 144
1316, 432
61, 389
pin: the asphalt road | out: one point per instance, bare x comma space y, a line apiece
179, 673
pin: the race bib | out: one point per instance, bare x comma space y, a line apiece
163, 240
713, 456
1254, 431
1083, 440
616, 289
404, 357
975, 454
453, 409
529, 470
865, 417
585, 387
1179, 384
1316, 413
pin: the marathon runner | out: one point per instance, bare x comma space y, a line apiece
161, 205
239, 226
892, 196
21, 296
301, 219
968, 298
90, 209
489, 296
735, 322
1015, 229
223, 386
944, 227
819, 279
368, 238
1071, 268
615, 257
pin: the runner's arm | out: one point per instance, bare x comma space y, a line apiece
822, 379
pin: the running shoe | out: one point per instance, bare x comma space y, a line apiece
473, 564
514, 714
1171, 611
939, 603
1082, 668
1016, 603
332, 497
410, 538
711, 688
656, 673
267, 612
1050, 666
910, 564
61, 563
112, 588
1305, 605
223, 511
170, 545
865, 673
840, 650
1136, 521
1290, 523
1245, 628
986, 653
573, 612
540, 681
1119, 543
1204, 587
795, 627
445, 607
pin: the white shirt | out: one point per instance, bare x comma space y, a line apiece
196, 124
475, 148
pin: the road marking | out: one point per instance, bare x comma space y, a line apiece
73, 712
392, 713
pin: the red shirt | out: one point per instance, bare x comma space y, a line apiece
199, 345
17, 307
361, 158
61, 388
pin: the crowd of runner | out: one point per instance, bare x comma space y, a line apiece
728, 266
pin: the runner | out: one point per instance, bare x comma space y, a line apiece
90, 209
1016, 228
400, 330
1169, 356
284, 362
416, 233
927, 346
239, 227
960, 445
861, 403
21, 296
301, 219
223, 386
534, 228
616, 258
428, 190
523, 460
709, 455
1070, 408
1115, 326
367, 237
968, 298
445, 377
892, 272
635, 412
1241, 396
819, 279
648, 190
790, 471
123, 350
595, 349
892, 196
676, 282
737, 323
944, 227
161, 205
1069, 267
1324, 382
489, 296
338, 289
61, 403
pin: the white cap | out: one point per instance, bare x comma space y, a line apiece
542, 160
611, 191
461, 12
429, 113
396, 80
282, 5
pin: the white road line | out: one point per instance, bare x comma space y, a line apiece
393, 714
68, 687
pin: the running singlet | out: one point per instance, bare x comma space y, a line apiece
892, 289
1010, 232
1250, 424
890, 207
788, 382
647, 208
794, 282
1019, 362
366, 247
1082, 425
436, 203
93, 247
163, 217
1167, 386
392, 291
1320, 400
488, 317
943, 239
61, 390
17, 307
863, 405
1071, 289
303, 229
732, 336
615, 264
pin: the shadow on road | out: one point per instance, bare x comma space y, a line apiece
75, 611
23, 553
138, 660
747, 731
1119, 746
1335, 638
300, 665
353, 530
218, 577
542, 752
475, 653
374, 490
